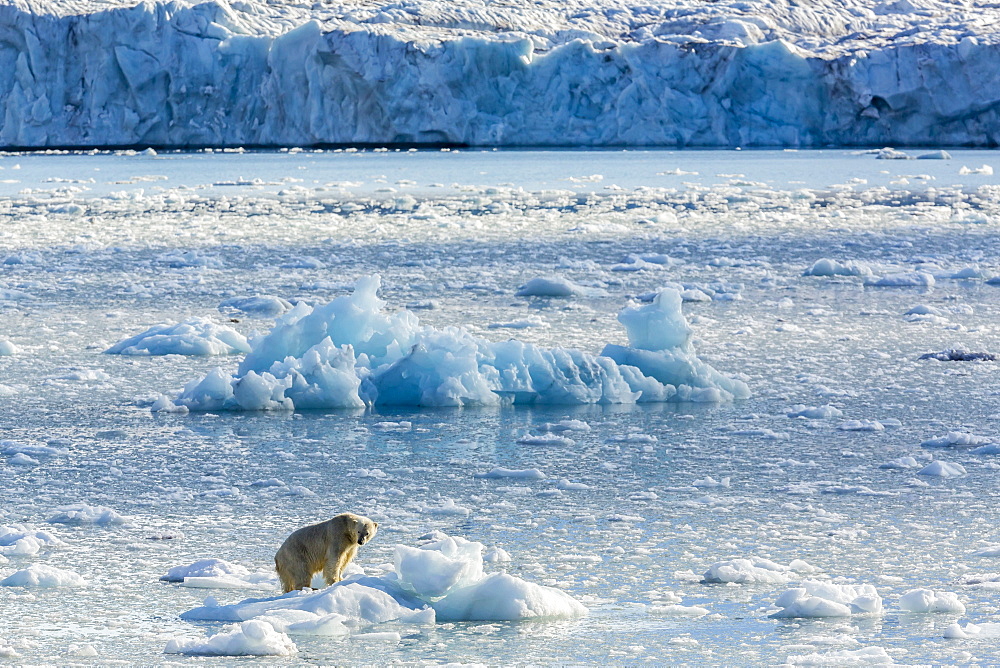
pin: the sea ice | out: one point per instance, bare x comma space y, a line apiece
755, 570
828, 267
81, 513
956, 439
204, 568
262, 306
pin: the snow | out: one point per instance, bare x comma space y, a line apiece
350, 354
814, 598
194, 336
725, 74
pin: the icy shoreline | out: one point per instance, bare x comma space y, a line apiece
248, 74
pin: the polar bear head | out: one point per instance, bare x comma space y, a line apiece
366, 529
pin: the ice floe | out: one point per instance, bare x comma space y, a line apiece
194, 336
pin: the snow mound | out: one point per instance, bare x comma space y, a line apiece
925, 600
442, 579
40, 575
825, 599
349, 353
253, 638
81, 513
194, 336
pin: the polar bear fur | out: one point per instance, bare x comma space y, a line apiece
326, 547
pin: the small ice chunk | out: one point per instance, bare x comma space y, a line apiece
550, 286
861, 425
82, 513
823, 412
204, 568
747, 571
503, 597
828, 267
956, 439
194, 336
983, 170
500, 472
942, 469
252, 638
8, 348
263, 306
40, 575
814, 598
900, 463
909, 279
925, 600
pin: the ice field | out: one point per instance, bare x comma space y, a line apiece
830, 496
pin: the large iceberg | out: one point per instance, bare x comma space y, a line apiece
582, 73
350, 353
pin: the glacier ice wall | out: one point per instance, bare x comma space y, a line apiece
220, 74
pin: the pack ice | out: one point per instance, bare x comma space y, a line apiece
349, 353
579, 73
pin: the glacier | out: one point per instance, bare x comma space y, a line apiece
89, 73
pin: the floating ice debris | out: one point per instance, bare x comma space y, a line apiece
956, 355
940, 469
252, 638
500, 472
194, 336
19, 540
747, 571
204, 568
900, 463
910, 279
262, 306
551, 286
866, 656
828, 267
8, 348
82, 513
984, 170
956, 439
826, 599
40, 575
349, 353
861, 425
815, 412
935, 155
925, 600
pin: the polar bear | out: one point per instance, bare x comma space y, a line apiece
326, 547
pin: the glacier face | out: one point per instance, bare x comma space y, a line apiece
480, 72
